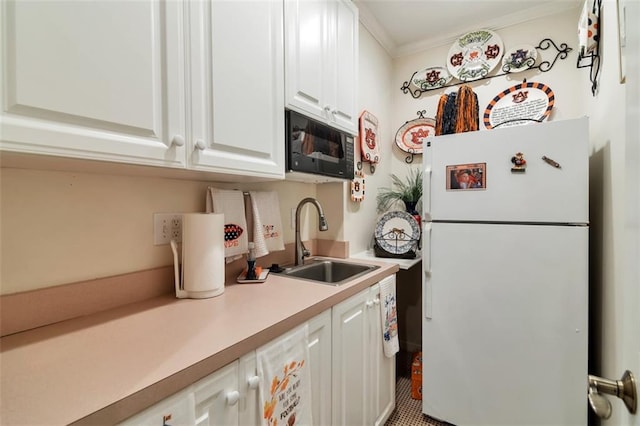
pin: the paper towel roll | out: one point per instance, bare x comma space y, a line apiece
202, 255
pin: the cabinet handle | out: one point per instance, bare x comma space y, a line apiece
233, 397
253, 382
376, 301
177, 140
200, 145
369, 303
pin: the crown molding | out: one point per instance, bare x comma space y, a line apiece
369, 21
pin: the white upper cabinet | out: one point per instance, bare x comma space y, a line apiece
321, 60
237, 87
182, 84
93, 80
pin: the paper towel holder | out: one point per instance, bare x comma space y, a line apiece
181, 292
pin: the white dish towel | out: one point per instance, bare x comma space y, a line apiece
267, 222
231, 204
389, 316
285, 380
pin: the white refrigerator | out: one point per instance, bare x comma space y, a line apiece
505, 283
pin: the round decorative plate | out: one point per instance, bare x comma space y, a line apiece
397, 232
412, 134
523, 103
519, 58
430, 78
474, 55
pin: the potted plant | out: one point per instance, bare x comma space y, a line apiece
407, 191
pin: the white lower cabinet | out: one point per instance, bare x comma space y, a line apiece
363, 378
320, 363
175, 410
382, 369
352, 381
249, 412
216, 397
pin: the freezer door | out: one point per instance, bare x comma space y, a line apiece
505, 341
481, 161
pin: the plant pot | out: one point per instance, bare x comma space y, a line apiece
410, 207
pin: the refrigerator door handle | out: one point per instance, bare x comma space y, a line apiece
426, 192
427, 298
426, 264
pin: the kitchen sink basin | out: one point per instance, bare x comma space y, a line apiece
329, 272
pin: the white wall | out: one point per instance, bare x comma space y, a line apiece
613, 301
613, 297
564, 79
374, 94
62, 227
570, 86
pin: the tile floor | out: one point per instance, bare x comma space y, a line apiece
408, 411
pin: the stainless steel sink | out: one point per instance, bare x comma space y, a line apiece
327, 271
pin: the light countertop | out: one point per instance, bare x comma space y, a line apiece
105, 367
402, 263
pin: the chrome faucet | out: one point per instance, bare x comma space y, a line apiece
301, 250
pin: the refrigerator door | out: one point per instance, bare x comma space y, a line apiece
540, 192
505, 327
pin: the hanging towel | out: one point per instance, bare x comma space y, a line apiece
231, 204
588, 31
285, 380
267, 222
389, 317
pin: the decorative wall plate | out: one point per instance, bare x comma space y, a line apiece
519, 58
369, 137
474, 55
524, 103
430, 78
412, 134
397, 232
357, 186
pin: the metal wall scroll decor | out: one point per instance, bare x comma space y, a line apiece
522, 58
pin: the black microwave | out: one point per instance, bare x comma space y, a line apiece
317, 148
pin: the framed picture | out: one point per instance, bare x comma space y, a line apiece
622, 37
465, 177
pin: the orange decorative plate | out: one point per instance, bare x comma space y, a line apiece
411, 136
523, 103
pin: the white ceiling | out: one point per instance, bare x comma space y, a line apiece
407, 26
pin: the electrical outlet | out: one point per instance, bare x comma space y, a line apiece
167, 227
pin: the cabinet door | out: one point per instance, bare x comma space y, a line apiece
175, 410
216, 397
249, 405
320, 365
382, 368
342, 84
94, 80
306, 38
237, 79
350, 378
321, 60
